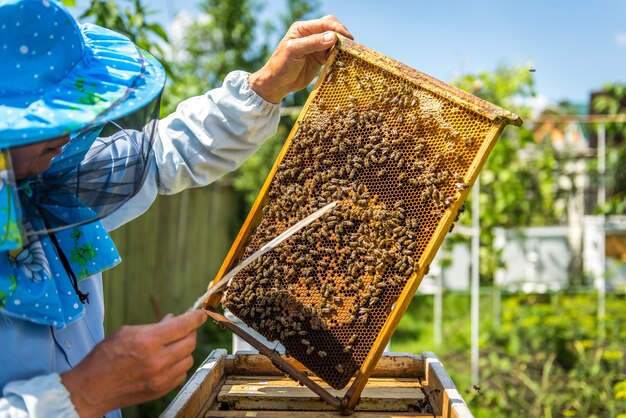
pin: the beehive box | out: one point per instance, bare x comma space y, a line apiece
399, 151
248, 385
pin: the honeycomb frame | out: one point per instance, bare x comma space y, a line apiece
399, 150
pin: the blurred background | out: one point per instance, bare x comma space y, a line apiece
537, 328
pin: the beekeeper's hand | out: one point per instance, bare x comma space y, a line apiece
134, 365
298, 57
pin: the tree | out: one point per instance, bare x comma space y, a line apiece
131, 21
518, 185
225, 37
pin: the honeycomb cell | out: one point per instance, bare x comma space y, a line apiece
398, 152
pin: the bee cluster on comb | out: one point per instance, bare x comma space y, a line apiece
398, 156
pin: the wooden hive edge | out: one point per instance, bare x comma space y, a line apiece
198, 394
438, 87
200, 390
389, 365
442, 391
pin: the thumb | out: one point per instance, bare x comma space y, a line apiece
167, 317
312, 43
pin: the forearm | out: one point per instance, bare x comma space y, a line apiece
212, 134
39, 397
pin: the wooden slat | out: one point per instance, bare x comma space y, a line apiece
200, 391
389, 365
285, 381
312, 414
381, 394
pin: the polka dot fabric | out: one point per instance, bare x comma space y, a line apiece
34, 284
59, 77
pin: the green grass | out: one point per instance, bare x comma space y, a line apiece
545, 358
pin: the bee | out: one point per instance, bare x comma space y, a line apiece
322, 354
339, 368
347, 349
469, 141
310, 350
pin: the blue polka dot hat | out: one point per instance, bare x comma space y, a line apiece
58, 76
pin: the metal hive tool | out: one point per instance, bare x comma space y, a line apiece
398, 150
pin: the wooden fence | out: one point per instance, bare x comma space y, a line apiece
170, 254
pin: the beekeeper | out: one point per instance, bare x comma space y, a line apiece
81, 153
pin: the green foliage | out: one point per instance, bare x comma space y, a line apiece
519, 184
132, 21
225, 38
502, 188
223, 41
546, 359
